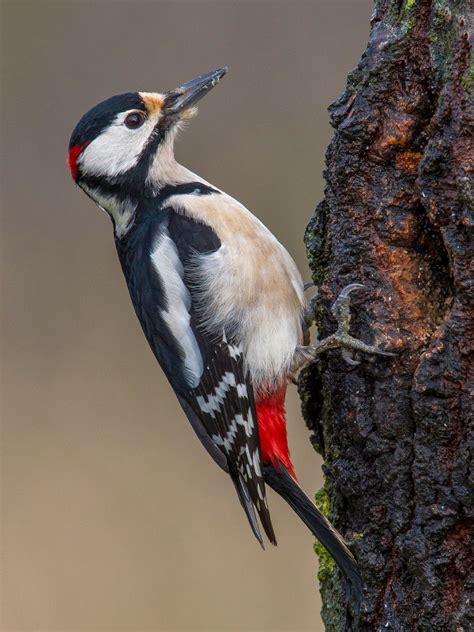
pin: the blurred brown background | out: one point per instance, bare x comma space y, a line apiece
113, 516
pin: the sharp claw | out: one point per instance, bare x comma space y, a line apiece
375, 350
348, 358
308, 285
389, 354
350, 288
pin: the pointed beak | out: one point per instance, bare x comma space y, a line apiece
190, 93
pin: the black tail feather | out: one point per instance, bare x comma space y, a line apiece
284, 484
247, 504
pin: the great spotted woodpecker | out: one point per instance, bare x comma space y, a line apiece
219, 299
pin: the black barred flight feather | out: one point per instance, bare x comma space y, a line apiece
227, 409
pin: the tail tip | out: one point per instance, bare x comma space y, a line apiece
355, 593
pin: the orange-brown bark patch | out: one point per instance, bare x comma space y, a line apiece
402, 268
408, 160
395, 132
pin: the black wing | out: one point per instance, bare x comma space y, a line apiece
207, 372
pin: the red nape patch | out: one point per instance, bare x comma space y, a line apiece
72, 157
272, 429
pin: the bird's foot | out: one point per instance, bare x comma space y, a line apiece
341, 338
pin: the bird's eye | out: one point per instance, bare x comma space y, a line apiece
134, 120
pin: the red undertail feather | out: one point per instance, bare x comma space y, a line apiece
272, 429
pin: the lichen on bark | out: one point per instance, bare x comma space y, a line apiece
397, 217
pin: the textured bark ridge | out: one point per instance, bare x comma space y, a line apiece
396, 433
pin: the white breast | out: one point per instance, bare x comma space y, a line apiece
250, 285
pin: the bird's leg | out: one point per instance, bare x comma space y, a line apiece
341, 338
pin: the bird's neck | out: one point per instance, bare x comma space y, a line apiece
165, 170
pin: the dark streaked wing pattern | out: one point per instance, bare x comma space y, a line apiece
225, 400
206, 372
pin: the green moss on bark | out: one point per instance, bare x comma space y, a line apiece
326, 562
328, 575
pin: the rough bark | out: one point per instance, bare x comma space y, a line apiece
395, 433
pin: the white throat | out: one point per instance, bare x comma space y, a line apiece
165, 170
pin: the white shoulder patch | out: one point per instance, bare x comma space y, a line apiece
168, 266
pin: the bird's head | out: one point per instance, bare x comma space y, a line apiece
122, 145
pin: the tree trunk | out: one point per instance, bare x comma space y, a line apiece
395, 433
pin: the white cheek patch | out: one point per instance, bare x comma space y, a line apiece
168, 266
117, 149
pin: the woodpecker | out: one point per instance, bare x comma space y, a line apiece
220, 300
